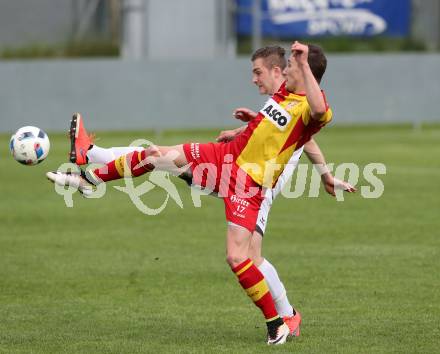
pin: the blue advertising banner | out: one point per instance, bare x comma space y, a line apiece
307, 18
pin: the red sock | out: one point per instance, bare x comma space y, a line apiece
253, 282
116, 169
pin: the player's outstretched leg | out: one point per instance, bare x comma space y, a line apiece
165, 158
116, 169
132, 165
86, 182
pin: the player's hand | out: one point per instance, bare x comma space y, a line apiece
226, 135
332, 183
244, 114
300, 52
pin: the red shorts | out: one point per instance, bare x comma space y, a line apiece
214, 168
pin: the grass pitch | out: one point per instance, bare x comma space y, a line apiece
102, 277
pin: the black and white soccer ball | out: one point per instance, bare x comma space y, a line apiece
29, 145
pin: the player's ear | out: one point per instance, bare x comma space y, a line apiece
277, 71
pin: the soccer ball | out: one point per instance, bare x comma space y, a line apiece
29, 145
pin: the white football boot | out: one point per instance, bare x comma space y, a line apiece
280, 336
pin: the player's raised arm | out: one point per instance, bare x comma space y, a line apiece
315, 98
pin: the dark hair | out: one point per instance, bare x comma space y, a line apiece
317, 61
272, 56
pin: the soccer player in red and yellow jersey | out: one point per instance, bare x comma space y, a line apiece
243, 168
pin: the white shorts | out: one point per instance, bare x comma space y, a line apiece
271, 194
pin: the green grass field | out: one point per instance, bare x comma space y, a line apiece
102, 277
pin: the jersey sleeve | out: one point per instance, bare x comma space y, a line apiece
326, 117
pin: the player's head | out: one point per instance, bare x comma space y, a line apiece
317, 62
268, 64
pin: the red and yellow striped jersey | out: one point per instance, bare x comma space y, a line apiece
282, 126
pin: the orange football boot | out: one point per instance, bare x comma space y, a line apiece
80, 140
293, 322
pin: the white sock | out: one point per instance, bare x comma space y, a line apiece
104, 155
276, 288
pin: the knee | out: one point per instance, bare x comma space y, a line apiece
234, 260
152, 150
147, 158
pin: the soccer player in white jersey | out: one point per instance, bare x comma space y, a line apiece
268, 64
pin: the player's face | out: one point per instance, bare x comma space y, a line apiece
263, 77
291, 73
